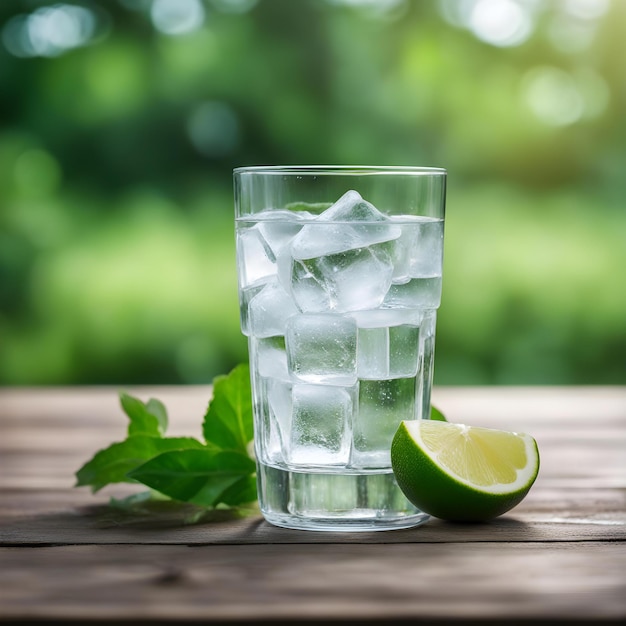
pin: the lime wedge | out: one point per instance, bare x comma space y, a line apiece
436, 414
463, 473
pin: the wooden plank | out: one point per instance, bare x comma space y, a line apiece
515, 407
47, 428
583, 516
46, 434
584, 459
89, 405
269, 582
582, 462
559, 555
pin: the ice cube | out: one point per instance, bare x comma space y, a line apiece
279, 398
271, 358
352, 208
404, 344
379, 318
284, 263
278, 228
426, 254
387, 342
389, 352
418, 293
418, 252
402, 250
383, 404
320, 433
246, 295
254, 256
349, 223
307, 287
268, 445
322, 348
351, 281
269, 310
373, 353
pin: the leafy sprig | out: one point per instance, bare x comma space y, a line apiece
219, 470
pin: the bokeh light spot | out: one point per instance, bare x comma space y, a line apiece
554, 96
213, 129
49, 31
15, 37
571, 35
36, 172
500, 22
177, 17
457, 12
586, 9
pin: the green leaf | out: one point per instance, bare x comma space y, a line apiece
202, 477
157, 408
145, 419
228, 421
242, 491
436, 414
112, 464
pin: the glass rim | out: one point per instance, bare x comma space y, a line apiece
346, 170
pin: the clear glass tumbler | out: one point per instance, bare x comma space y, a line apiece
339, 272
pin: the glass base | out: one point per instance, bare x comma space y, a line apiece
337, 502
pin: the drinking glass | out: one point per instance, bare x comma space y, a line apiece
339, 272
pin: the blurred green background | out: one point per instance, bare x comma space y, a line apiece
121, 121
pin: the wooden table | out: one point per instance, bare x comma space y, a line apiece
559, 556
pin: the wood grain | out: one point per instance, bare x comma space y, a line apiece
559, 556
493, 581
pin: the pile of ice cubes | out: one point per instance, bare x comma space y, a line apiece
340, 310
